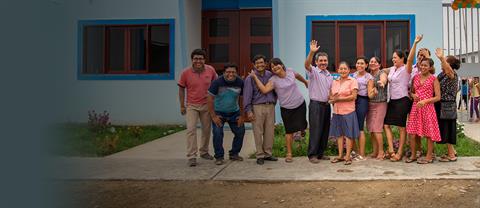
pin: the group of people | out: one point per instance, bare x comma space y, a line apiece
405, 95
470, 88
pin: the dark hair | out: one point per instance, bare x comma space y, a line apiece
199, 52
277, 61
361, 58
424, 49
376, 59
431, 63
344, 62
259, 56
230, 65
320, 54
454, 62
401, 54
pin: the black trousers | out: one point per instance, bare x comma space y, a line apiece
319, 120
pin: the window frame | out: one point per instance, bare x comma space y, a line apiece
128, 74
361, 19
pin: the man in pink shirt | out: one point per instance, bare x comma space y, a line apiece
196, 81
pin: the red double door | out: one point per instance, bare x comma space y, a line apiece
236, 37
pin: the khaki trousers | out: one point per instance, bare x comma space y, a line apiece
195, 112
263, 129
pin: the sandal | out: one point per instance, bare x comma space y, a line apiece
289, 158
425, 161
395, 158
348, 162
389, 155
410, 160
337, 159
448, 159
359, 158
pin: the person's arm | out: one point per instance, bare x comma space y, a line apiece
351, 97
301, 79
263, 88
411, 55
371, 90
447, 69
211, 110
247, 97
436, 98
181, 96
313, 49
383, 80
240, 119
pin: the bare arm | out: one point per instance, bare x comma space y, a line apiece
445, 66
211, 110
301, 79
411, 55
313, 49
263, 88
181, 97
351, 97
371, 89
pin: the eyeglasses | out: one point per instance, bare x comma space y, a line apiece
198, 59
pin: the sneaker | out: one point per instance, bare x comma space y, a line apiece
219, 161
192, 162
236, 158
353, 155
271, 158
260, 161
207, 156
314, 160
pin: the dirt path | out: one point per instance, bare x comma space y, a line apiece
419, 193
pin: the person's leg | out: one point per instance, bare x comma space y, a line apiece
429, 155
418, 144
471, 108
191, 117
289, 141
451, 151
238, 132
258, 131
315, 121
465, 98
348, 158
460, 102
413, 143
379, 141
206, 121
403, 135
325, 116
373, 140
389, 134
218, 139
340, 147
269, 130
361, 143
475, 106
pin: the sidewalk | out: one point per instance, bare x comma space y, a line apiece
471, 129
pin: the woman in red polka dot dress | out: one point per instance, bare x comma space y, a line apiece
422, 120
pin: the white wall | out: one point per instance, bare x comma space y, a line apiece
127, 101
292, 22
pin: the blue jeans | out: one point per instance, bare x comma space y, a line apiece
238, 132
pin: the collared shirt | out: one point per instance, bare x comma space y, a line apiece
251, 93
320, 82
197, 83
344, 89
287, 90
362, 82
398, 79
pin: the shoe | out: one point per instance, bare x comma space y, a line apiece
323, 157
354, 154
359, 158
207, 156
289, 158
219, 161
348, 162
410, 160
270, 158
448, 159
192, 162
337, 159
314, 160
260, 161
236, 158
424, 161
396, 158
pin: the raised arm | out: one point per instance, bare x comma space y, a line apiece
411, 55
263, 88
313, 49
445, 66
301, 79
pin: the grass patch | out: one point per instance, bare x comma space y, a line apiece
81, 140
464, 147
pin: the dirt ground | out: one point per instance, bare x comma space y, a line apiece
416, 193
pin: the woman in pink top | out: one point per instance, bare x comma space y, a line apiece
344, 124
400, 104
292, 104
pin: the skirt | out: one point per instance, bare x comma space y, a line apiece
361, 108
344, 125
397, 111
448, 128
294, 119
375, 116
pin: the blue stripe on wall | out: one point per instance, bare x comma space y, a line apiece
235, 4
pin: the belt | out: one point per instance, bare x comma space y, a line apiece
266, 103
319, 102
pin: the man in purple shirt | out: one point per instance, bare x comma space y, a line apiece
319, 109
260, 109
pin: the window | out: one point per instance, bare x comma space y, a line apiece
346, 37
126, 49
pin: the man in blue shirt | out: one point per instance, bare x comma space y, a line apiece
223, 97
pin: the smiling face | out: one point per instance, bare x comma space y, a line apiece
276, 69
361, 65
198, 61
425, 67
230, 73
343, 70
322, 62
397, 61
374, 65
260, 65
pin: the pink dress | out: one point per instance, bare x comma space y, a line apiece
423, 121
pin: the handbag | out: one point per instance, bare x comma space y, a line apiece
448, 110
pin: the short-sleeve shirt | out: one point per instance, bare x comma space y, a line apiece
320, 84
363, 82
448, 87
344, 89
475, 90
287, 90
226, 94
197, 83
398, 79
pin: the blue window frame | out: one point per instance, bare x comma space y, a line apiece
140, 49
